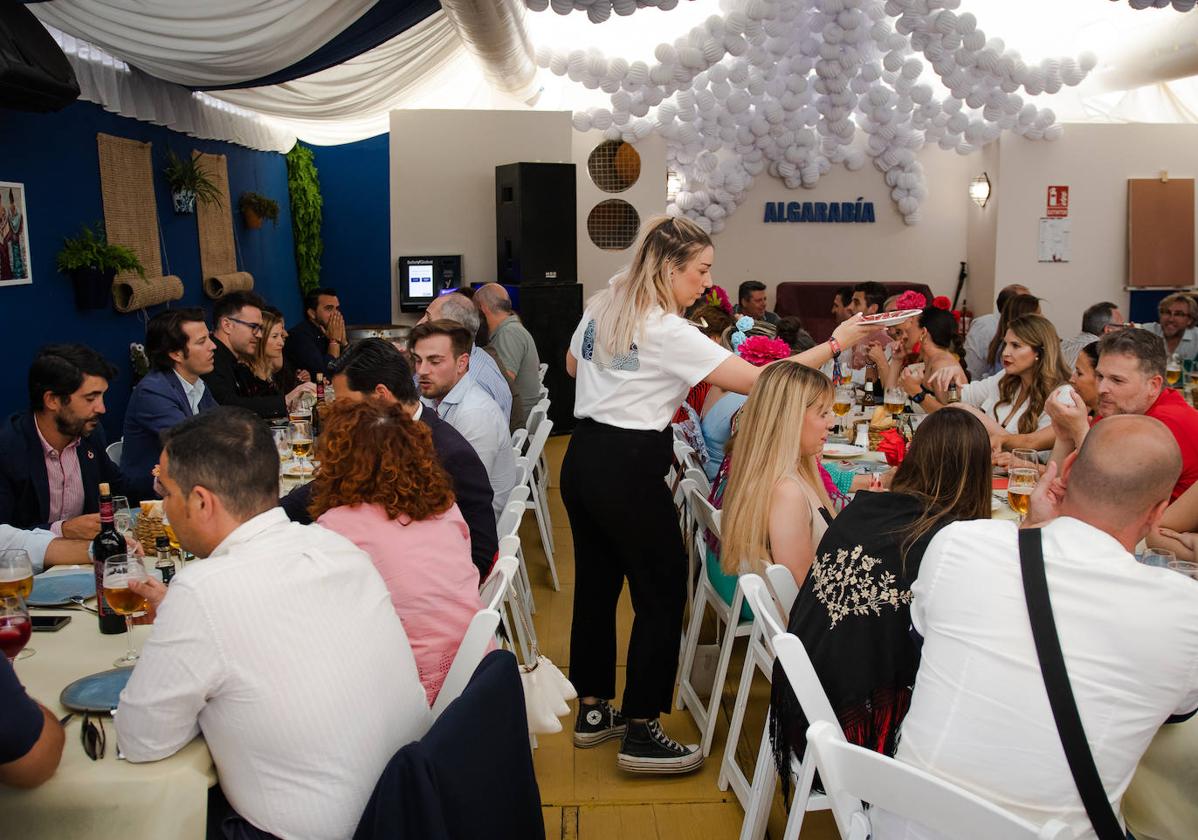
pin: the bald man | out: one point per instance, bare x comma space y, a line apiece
979, 714
513, 344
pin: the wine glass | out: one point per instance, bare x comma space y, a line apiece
15, 626
1184, 567
301, 442
1027, 458
1019, 489
16, 580
119, 570
895, 400
1158, 557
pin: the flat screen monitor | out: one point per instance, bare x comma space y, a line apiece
421, 279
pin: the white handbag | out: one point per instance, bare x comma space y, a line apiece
546, 689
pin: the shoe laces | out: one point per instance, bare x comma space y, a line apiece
656, 733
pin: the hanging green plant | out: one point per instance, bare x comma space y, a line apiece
189, 182
91, 261
255, 207
306, 204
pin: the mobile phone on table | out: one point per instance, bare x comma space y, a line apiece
49, 623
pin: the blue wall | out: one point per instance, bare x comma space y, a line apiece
355, 185
55, 157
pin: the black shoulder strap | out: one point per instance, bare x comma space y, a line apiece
1060, 693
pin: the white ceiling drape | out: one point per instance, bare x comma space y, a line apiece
204, 43
116, 87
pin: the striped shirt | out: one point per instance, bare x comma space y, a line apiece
65, 481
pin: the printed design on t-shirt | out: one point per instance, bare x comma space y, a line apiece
849, 585
591, 352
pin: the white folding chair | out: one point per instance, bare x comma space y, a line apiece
542, 369
540, 467
816, 707
509, 546
759, 656
700, 479
853, 775
115, 450
540, 499
480, 634
519, 441
509, 526
727, 617
522, 471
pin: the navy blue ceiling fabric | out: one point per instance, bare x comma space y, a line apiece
385, 20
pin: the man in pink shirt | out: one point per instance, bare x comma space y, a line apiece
52, 457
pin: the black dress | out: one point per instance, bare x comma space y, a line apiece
853, 615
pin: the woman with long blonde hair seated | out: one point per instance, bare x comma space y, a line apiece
776, 508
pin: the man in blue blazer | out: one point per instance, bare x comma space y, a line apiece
52, 457
181, 351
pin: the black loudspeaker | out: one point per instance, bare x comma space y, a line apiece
536, 223
551, 311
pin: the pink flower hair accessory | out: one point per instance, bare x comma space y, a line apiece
760, 350
911, 299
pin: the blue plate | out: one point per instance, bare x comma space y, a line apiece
55, 590
97, 693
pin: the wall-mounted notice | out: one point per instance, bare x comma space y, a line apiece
1057, 205
1054, 240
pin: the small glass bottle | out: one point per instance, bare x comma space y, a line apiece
954, 394
869, 399
165, 564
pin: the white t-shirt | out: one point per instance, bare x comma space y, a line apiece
979, 714
641, 389
984, 394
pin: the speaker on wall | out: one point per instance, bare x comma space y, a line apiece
550, 312
536, 223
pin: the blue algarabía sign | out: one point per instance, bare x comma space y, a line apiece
839, 212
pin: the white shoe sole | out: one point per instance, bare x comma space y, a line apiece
662, 766
584, 740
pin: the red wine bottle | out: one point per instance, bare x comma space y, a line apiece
108, 543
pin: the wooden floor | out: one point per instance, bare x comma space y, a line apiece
585, 796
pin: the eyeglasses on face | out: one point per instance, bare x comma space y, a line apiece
256, 329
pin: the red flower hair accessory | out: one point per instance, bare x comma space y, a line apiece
761, 350
942, 302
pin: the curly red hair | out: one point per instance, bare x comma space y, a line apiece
376, 454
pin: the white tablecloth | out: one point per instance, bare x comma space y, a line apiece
89, 799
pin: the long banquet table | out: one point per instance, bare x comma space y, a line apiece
89, 799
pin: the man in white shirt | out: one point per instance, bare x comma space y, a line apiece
982, 330
1176, 315
457, 307
441, 358
281, 646
980, 715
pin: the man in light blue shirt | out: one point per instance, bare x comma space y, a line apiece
483, 369
44, 549
441, 357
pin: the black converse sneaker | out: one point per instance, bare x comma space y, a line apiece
597, 723
646, 749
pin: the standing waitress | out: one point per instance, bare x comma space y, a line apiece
635, 358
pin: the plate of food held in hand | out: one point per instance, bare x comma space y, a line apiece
885, 319
842, 450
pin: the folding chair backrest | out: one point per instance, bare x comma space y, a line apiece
536, 443
499, 583
509, 521
509, 545
519, 439
783, 583
705, 515
523, 468
803, 679
480, 635
762, 603
853, 774
700, 479
115, 450
535, 418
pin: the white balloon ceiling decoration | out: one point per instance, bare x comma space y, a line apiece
1179, 5
788, 87
600, 10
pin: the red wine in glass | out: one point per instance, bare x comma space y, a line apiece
14, 634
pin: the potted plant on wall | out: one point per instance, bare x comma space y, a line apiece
91, 261
256, 207
189, 182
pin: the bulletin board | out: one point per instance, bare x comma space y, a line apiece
1160, 232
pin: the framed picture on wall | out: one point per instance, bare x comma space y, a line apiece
15, 268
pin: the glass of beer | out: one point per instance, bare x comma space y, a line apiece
896, 400
1173, 370
842, 403
16, 579
1019, 489
15, 626
1028, 458
301, 442
119, 570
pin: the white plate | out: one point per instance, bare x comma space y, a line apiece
842, 450
885, 319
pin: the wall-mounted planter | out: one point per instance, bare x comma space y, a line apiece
92, 287
185, 202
